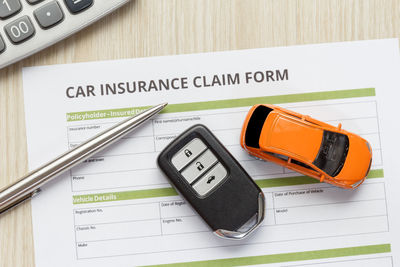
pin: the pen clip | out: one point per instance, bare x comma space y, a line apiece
31, 195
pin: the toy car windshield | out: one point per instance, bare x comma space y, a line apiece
333, 153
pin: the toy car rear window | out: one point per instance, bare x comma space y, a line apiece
254, 127
332, 153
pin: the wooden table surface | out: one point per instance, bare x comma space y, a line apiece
167, 27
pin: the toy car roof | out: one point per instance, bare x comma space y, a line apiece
291, 136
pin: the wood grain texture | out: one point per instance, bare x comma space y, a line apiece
166, 27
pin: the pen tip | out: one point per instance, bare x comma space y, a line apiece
159, 107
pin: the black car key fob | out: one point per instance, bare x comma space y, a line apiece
213, 182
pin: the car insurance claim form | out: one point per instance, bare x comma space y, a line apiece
117, 209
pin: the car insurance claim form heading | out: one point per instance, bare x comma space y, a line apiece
117, 209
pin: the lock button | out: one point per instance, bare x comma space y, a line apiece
188, 153
199, 166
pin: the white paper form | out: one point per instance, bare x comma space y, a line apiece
118, 209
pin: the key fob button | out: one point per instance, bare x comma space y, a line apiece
210, 180
199, 166
188, 153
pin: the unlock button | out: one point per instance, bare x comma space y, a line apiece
199, 166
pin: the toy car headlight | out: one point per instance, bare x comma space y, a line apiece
366, 174
369, 147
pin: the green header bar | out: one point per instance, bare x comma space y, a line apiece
220, 104
126, 195
289, 257
300, 180
167, 192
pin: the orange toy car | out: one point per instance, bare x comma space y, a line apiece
303, 144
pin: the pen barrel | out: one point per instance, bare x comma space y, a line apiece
30, 184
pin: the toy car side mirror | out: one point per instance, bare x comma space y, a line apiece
339, 126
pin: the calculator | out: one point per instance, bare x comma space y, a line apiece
213, 182
28, 26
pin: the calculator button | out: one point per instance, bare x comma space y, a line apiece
20, 30
2, 45
210, 180
33, 2
76, 6
49, 15
9, 8
199, 166
188, 153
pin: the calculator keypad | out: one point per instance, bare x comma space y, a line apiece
20, 30
28, 26
9, 8
49, 15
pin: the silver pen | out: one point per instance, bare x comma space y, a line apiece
29, 185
